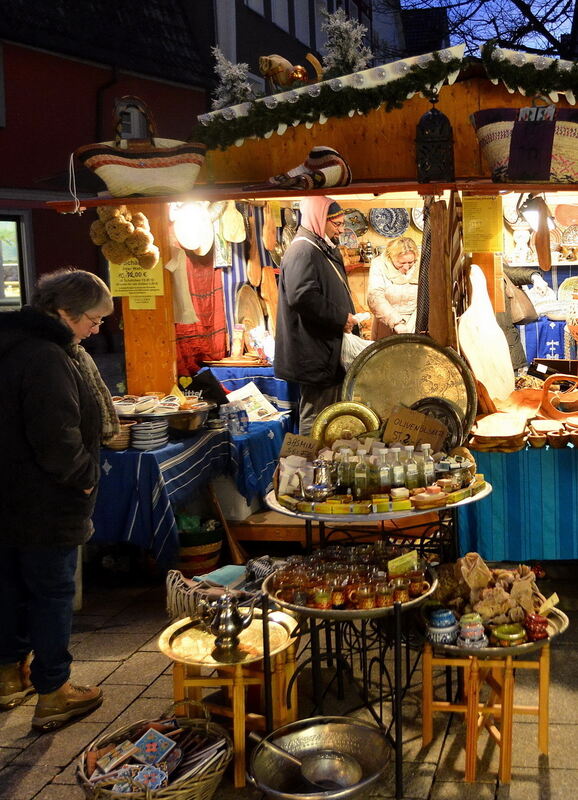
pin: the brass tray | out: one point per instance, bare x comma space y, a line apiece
557, 624
349, 613
405, 368
187, 640
338, 417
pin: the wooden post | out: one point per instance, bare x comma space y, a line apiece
149, 335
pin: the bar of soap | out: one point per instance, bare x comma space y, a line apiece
458, 496
361, 508
380, 506
400, 493
401, 505
323, 508
433, 489
340, 508
306, 506
288, 502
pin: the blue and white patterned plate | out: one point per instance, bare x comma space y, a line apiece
389, 222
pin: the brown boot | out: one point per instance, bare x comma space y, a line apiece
15, 684
56, 708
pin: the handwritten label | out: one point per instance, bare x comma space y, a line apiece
549, 604
295, 445
405, 426
402, 564
142, 302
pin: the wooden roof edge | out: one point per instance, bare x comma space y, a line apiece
214, 192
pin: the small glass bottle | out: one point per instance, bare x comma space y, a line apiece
410, 467
361, 477
373, 475
397, 470
343, 471
429, 472
384, 475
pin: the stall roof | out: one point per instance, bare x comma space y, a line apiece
360, 190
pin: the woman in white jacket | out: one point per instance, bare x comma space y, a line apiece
392, 290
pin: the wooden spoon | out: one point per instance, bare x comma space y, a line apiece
254, 258
269, 236
233, 224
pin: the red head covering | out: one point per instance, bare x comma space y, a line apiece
314, 211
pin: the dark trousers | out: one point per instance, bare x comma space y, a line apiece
36, 606
312, 402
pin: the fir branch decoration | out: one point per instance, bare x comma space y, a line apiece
260, 120
528, 78
233, 86
344, 49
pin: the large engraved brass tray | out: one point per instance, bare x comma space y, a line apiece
405, 368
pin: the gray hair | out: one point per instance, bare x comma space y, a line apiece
72, 290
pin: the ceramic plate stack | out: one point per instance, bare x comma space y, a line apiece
149, 435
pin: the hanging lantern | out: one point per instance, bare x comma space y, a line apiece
434, 146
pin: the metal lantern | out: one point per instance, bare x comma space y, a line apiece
434, 146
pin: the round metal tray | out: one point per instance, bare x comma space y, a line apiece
349, 613
557, 624
405, 368
188, 641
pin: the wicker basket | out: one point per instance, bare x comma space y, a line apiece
149, 166
200, 552
529, 144
193, 788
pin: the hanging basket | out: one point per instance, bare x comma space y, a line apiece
150, 166
538, 143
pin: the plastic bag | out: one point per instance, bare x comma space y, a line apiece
351, 347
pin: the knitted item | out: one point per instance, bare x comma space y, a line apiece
89, 371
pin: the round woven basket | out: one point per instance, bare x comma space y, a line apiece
193, 788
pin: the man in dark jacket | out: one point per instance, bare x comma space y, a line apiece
315, 309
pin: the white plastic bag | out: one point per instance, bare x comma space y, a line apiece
351, 347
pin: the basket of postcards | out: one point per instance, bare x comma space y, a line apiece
170, 758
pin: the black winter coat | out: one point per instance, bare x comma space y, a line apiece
49, 435
313, 307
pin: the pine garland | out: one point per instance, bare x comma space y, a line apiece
527, 77
260, 120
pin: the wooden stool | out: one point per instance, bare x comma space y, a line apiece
498, 673
194, 673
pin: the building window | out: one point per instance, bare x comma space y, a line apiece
256, 5
14, 264
302, 31
280, 13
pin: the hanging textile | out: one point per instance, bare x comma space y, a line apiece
422, 317
205, 340
459, 266
233, 277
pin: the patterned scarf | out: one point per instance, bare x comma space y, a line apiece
110, 424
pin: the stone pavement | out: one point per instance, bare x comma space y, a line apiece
114, 645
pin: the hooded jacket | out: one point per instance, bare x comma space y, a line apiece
313, 307
49, 435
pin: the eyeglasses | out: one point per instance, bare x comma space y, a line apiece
96, 323
340, 224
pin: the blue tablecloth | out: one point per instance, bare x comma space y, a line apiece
139, 490
283, 395
532, 512
543, 339
255, 455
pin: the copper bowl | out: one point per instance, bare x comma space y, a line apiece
537, 439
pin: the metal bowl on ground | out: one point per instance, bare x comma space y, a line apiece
281, 779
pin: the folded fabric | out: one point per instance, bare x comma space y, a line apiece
324, 167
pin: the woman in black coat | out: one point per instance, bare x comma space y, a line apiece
315, 308
54, 412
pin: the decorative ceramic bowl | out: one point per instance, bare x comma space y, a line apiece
537, 439
446, 635
472, 644
441, 617
558, 439
509, 635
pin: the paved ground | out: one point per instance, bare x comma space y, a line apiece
114, 644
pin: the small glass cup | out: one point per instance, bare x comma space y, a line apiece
363, 597
400, 588
417, 582
319, 596
383, 594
